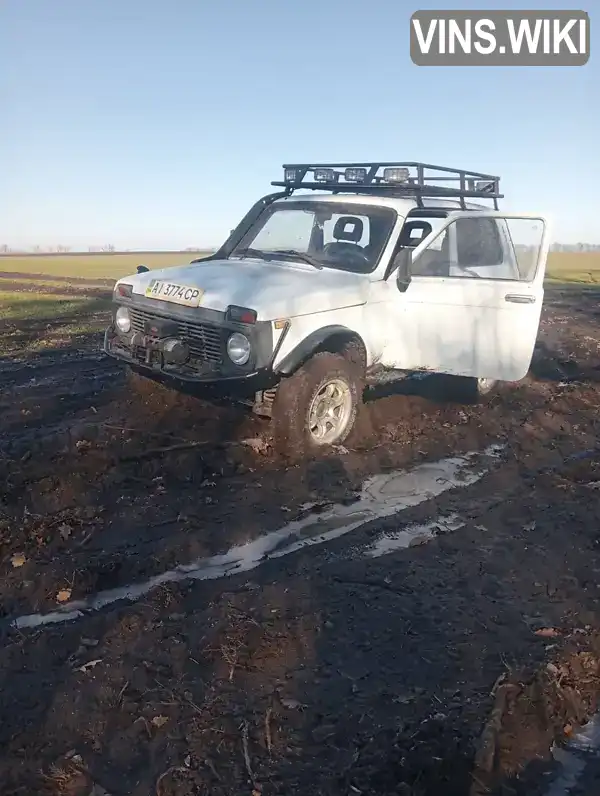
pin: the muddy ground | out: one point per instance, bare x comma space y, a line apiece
450, 665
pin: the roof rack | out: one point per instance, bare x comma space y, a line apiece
392, 179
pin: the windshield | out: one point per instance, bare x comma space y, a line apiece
342, 235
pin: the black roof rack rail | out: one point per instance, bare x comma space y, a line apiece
405, 179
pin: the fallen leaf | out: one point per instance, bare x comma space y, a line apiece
159, 721
65, 531
290, 704
18, 560
257, 444
547, 632
89, 665
63, 596
341, 449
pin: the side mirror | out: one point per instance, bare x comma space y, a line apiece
403, 272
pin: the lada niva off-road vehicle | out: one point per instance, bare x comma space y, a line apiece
348, 268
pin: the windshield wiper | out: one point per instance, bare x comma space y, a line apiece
306, 258
250, 253
274, 253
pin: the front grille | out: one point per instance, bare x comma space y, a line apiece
204, 340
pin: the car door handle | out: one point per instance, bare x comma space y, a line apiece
520, 298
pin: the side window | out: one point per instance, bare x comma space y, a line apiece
478, 243
435, 260
525, 236
473, 248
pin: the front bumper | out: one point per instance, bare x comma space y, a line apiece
204, 334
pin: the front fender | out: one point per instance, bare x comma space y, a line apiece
304, 350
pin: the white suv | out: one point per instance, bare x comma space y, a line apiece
377, 264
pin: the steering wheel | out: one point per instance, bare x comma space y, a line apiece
350, 252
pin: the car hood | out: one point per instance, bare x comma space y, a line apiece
274, 289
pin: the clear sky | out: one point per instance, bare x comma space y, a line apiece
149, 124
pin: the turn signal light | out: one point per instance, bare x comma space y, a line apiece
241, 314
124, 291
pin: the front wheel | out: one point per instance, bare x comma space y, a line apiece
317, 406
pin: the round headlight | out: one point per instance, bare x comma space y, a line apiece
238, 348
123, 320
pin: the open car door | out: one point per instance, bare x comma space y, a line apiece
471, 305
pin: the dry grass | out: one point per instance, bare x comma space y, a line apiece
576, 267
23, 307
572, 267
31, 322
91, 266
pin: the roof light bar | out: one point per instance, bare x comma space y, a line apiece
412, 179
291, 175
325, 175
396, 175
485, 186
355, 175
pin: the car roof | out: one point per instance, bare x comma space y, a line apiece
402, 205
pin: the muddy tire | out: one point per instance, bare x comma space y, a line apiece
316, 407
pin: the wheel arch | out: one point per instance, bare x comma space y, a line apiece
335, 338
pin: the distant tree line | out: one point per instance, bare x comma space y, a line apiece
575, 247
109, 248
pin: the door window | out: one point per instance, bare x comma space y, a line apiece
525, 236
483, 248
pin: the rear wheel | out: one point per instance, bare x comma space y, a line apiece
316, 407
478, 390
484, 387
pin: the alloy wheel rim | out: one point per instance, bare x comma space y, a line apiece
329, 412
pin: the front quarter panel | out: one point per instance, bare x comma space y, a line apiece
351, 319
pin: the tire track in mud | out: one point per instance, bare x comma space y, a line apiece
381, 496
45, 407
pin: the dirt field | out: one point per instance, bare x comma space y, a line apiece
182, 614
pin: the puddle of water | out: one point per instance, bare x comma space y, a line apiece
588, 738
413, 534
381, 496
573, 758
